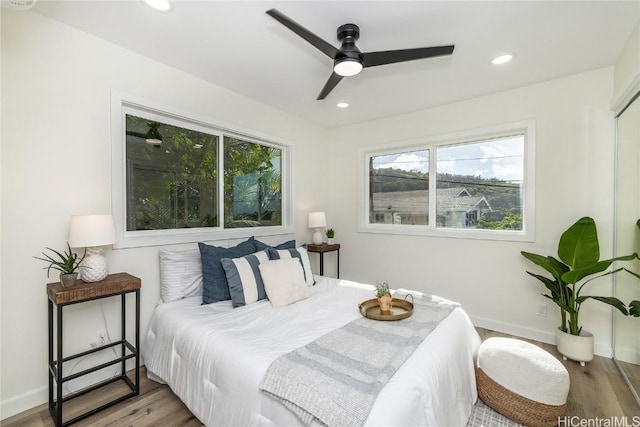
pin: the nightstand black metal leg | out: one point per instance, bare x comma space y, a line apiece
137, 387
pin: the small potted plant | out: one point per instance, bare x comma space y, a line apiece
66, 263
383, 294
330, 235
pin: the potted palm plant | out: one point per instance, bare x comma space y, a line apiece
579, 264
67, 263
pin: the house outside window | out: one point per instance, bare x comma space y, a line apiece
475, 185
185, 180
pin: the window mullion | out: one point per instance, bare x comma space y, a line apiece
432, 187
221, 178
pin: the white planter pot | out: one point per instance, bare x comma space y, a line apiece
574, 347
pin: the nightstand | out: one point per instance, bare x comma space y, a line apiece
321, 249
113, 285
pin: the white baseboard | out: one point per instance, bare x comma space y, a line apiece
532, 334
628, 355
23, 402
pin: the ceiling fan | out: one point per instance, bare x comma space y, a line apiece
348, 60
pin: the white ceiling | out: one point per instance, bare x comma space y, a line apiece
236, 45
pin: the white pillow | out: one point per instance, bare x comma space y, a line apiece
284, 281
180, 274
299, 253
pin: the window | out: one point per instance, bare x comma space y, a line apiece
171, 175
399, 188
252, 184
474, 185
185, 180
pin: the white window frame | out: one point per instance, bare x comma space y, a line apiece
122, 104
527, 234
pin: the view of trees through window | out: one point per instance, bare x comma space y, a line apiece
252, 184
478, 185
173, 181
399, 188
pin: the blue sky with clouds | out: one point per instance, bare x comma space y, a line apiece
502, 159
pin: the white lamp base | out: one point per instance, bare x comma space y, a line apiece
94, 267
317, 237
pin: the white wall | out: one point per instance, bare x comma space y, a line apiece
574, 178
627, 70
56, 84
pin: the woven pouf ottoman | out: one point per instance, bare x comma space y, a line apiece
522, 381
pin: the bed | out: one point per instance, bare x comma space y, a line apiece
214, 358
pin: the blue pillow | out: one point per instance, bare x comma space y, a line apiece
291, 244
215, 287
244, 278
303, 257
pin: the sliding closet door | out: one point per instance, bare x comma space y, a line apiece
626, 333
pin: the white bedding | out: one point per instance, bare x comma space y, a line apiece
214, 357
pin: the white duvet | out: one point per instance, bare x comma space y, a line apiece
213, 357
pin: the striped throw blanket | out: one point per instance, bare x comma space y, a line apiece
337, 377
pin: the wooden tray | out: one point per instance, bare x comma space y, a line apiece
401, 309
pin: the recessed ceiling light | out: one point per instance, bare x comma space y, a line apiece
502, 59
159, 5
342, 104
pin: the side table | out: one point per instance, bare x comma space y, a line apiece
113, 285
321, 249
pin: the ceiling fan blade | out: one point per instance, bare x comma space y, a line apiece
316, 41
371, 59
334, 79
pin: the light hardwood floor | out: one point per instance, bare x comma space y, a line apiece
597, 391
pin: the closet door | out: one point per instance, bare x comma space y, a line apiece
626, 330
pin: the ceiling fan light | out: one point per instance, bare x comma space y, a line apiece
153, 136
347, 67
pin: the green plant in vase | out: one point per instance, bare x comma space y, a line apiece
579, 265
67, 263
330, 235
383, 295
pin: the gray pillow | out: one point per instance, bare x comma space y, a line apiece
291, 244
244, 279
215, 287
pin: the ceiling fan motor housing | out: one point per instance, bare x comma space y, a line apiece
347, 35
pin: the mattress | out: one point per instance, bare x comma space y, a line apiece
213, 357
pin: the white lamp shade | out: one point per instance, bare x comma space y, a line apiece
317, 220
87, 231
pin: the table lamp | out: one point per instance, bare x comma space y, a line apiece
92, 232
317, 220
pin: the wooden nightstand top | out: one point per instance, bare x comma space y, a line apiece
113, 284
325, 247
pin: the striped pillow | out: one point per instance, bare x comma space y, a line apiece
243, 277
301, 254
